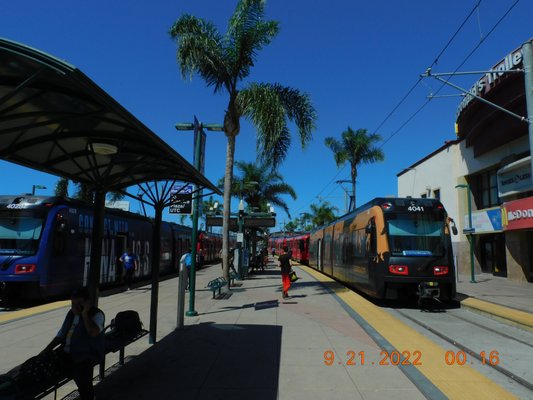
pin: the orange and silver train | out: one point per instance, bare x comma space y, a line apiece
388, 248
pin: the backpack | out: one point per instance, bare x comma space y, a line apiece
40, 372
188, 259
126, 323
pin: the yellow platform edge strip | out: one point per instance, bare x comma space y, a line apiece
33, 310
520, 317
455, 381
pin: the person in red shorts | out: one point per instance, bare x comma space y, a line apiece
285, 265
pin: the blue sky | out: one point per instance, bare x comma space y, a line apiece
356, 59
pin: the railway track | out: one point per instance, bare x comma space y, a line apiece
480, 332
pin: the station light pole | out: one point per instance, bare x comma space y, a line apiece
36, 187
240, 238
470, 230
199, 147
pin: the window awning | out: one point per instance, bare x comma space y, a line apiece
53, 118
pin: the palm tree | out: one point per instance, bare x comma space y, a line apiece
356, 147
83, 191
292, 226
267, 187
224, 61
61, 188
322, 214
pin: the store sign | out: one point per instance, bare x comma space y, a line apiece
485, 221
515, 178
491, 79
518, 214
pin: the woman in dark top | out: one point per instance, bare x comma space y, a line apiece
285, 265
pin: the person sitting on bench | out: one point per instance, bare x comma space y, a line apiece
82, 340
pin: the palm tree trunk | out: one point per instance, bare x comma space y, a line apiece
228, 179
354, 176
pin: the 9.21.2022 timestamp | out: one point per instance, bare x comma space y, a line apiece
394, 357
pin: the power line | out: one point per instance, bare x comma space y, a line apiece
459, 66
412, 88
416, 84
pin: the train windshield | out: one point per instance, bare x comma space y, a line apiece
416, 234
19, 232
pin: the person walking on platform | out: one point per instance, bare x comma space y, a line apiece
186, 260
130, 262
285, 265
82, 340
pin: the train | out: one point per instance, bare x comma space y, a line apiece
297, 244
389, 248
45, 245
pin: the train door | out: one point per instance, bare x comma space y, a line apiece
121, 243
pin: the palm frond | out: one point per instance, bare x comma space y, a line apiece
247, 34
200, 50
281, 188
269, 107
299, 109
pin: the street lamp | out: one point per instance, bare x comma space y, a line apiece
36, 187
469, 232
240, 237
199, 146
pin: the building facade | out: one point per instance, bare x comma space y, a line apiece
489, 161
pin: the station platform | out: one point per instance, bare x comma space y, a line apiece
325, 342
315, 345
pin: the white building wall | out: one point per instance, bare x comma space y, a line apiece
438, 172
471, 165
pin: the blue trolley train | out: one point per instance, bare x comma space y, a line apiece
45, 245
389, 247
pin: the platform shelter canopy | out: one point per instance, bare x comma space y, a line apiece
53, 118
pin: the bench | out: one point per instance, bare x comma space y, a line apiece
232, 276
117, 342
216, 284
114, 341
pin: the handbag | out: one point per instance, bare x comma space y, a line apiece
292, 276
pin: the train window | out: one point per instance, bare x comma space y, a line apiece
19, 234
415, 234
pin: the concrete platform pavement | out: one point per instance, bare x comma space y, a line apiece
253, 345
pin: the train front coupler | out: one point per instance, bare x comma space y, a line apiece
428, 290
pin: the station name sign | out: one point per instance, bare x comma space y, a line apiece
181, 200
491, 79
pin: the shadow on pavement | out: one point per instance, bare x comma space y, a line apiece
205, 361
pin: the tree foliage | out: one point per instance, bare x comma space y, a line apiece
224, 61
355, 148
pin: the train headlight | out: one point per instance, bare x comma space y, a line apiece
440, 270
399, 269
25, 268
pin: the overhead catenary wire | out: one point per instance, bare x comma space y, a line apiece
482, 39
408, 93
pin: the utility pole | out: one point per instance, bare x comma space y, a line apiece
527, 57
